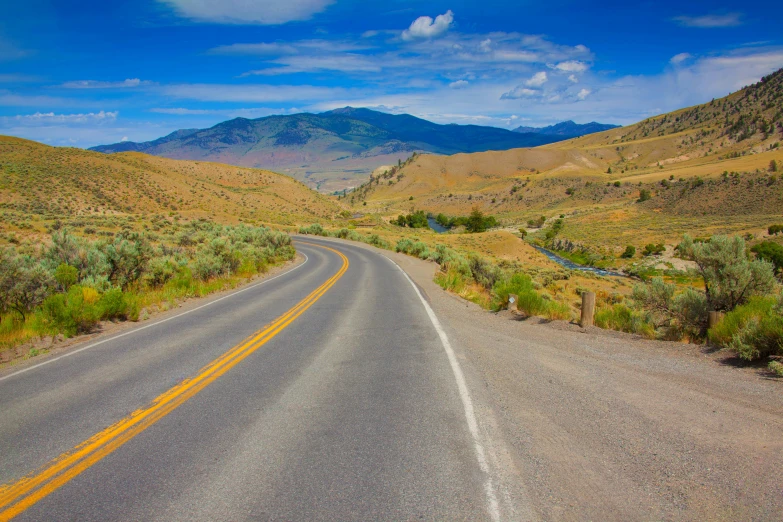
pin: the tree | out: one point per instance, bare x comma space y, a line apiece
476, 221
644, 195
730, 276
523, 233
774, 230
773, 166
652, 249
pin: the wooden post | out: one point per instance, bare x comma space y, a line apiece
588, 309
513, 302
714, 318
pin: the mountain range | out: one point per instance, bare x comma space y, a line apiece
331, 150
567, 129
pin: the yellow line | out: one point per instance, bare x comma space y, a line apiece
20, 495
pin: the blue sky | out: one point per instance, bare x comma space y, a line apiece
89, 72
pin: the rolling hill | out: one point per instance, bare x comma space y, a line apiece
331, 150
707, 168
41, 185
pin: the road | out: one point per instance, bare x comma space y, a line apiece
350, 408
349, 389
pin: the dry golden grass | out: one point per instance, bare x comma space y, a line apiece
36, 179
595, 180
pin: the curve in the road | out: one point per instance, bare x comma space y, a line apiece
21, 495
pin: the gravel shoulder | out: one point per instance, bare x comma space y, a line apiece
596, 425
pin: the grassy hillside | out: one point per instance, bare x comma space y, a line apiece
41, 185
707, 169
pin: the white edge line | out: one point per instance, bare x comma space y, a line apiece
464, 394
133, 331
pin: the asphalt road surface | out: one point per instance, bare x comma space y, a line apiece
347, 389
327, 393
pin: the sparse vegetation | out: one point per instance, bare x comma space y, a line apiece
69, 284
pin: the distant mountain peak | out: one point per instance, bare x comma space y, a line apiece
567, 129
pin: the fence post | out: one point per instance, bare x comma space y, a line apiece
714, 318
588, 309
513, 302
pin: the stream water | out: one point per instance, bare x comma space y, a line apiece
574, 266
435, 226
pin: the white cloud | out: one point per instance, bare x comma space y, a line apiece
124, 138
571, 66
572, 78
459, 84
248, 12
537, 80
253, 112
43, 119
260, 49
679, 58
515, 56
18, 78
486, 46
346, 62
95, 84
425, 27
251, 93
584, 93
710, 20
519, 92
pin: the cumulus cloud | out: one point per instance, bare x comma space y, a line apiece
584, 93
573, 66
426, 27
459, 84
710, 20
537, 80
679, 58
572, 78
248, 12
95, 84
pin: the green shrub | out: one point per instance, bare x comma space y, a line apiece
71, 313
66, 276
160, 270
772, 252
630, 251
114, 304
484, 272
753, 330
776, 367
644, 195
314, 230
621, 318
451, 280
730, 277
530, 302
679, 314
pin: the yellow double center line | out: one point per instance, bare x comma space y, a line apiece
20, 495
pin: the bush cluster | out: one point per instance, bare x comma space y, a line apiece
72, 283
